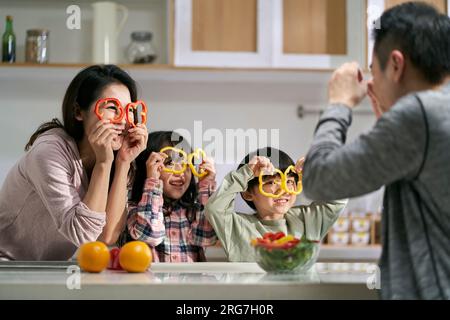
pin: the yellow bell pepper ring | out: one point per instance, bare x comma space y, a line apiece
299, 183
197, 154
271, 195
179, 151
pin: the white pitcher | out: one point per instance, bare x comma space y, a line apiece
106, 31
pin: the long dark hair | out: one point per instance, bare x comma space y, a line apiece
278, 158
82, 92
156, 141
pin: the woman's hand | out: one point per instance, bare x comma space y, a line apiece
100, 138
155, 164
133, 144
261, 164
208, 165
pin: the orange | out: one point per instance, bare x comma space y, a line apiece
135, 256
93, 256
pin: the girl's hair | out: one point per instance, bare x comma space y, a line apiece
82, 92
279, 159
156, 141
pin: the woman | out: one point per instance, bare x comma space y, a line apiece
71, 185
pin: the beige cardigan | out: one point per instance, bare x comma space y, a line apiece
42, 216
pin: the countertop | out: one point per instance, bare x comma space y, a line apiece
193, 281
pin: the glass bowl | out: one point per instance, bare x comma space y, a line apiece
295, 258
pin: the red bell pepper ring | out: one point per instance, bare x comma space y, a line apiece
133, 106
98, 105
114, 263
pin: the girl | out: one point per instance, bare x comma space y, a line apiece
71, 185
167, 209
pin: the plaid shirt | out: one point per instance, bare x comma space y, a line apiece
171, 234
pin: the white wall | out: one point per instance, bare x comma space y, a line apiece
27, 101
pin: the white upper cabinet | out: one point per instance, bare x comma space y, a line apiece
304, 34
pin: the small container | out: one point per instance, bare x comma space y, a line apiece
341, 225
339, 238
141, 49
360, 239
37, 46
361, 225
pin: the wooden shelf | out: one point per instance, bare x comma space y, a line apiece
166, 67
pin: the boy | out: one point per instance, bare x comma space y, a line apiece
236, 230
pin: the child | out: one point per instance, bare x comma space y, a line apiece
236, 230
166, 209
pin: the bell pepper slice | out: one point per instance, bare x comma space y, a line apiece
271, 195
199, 153
133, 106
179, 151
299, 183
99, 105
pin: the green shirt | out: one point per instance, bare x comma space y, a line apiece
236, 230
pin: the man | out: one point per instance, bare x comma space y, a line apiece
408, 150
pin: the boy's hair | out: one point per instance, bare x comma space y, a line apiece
279, 159
421, 33
156, 141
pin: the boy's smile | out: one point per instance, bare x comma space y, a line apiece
271, 208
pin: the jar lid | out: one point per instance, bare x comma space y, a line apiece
141, 35
38, 32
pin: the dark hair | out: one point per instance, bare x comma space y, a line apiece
156, 141
82, 92
279, 159
421, 33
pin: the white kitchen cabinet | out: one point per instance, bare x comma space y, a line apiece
304, 34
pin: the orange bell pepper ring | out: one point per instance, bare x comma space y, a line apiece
133, 106
179, 151
197, 154
103, 102
299, 183
271, 195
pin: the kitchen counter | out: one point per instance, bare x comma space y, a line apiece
203, 281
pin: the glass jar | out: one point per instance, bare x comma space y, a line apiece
37, 46
141, 48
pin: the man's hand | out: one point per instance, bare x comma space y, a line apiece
347, 85
376, 106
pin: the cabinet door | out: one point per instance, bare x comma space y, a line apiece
318, 33
375, 8
222, 33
